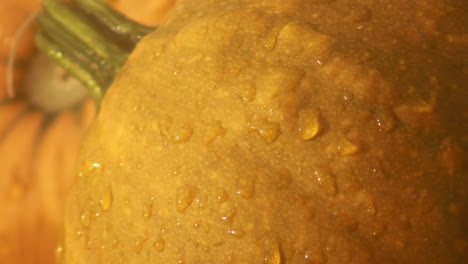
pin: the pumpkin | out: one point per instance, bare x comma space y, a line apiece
38, 153
43, 116
148, 12
260, 131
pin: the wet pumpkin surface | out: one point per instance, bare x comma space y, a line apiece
281, 132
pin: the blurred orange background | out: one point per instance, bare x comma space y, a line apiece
42, 122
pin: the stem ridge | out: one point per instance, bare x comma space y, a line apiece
89, 39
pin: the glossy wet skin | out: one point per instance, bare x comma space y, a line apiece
272, 132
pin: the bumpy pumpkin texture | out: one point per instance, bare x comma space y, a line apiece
279, 132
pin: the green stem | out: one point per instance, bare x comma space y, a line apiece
66, 62
114, 20
73, 47
89, 39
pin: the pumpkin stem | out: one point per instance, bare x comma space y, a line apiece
89, 39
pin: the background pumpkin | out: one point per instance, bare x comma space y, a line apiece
40, 135
149, 12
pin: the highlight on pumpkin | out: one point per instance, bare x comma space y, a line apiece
44, 113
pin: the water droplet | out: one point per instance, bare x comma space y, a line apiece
348, 97
451, 156
185, 196
214, 130
238, 233
88, 242
315, 255
59, 253
115, 242
228, 214
78, 234
326, 180
106, 200
140, 243
314, 45
219, 243
181, 134
364, 201
157, 53
272, 254
207, 228
230, 259
269, 131
196, 58
377, 228
246, 185
247, 91
403, 65
221, 195
347, 147
148, 211
136, 108
159, 245
165, 125
85, 218
309, 123
384, 120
